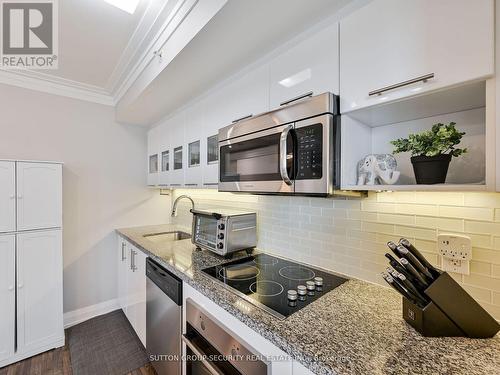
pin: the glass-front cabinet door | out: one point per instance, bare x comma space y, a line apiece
194, 154
153, 163
178, 158
213, 149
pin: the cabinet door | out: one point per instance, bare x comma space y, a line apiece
136, 286
39, 196
39, 289
7, 295
194, 136
7, 196
176, 127
164, 154
153, 157
122, 258
310, 66
388, 42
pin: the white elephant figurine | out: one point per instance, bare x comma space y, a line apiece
378, 169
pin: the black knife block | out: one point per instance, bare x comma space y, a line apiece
451, 312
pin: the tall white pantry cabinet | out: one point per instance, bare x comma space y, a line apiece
31, 294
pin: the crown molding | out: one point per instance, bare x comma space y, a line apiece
134, 50
35, 80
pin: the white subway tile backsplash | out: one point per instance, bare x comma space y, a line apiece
473, 213
349, 236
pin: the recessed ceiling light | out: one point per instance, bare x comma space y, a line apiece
128, 6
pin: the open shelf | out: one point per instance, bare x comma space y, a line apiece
436, 187
369, 131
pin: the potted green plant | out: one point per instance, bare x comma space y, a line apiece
431, 151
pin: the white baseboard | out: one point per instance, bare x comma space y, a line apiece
74, 317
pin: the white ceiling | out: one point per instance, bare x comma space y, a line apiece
92, 36
100, 45
241, 33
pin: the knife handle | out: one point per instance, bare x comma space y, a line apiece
416, 275
436, 272
398, 267
390, 280
411, 288
405, 253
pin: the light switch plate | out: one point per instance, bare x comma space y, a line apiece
456, 252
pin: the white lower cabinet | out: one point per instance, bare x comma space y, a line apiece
132, 286
31, 303
7, 296
279, 362
39, 286
122, 273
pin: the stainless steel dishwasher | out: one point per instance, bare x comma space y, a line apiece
163, 319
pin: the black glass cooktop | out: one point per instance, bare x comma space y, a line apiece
266, 280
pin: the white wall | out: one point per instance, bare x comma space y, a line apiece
104, 181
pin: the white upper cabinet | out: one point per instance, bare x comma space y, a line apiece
39, 195
310, 66
7, 295
7, 196
176, 127
193, 139
39, 286
153, 161
164, 154
390, 42
243, 97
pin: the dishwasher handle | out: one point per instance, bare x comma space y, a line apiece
202, 357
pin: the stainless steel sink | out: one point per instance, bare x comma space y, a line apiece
167, 236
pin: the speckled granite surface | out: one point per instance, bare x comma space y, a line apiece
355, 329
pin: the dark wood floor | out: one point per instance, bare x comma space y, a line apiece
55, 362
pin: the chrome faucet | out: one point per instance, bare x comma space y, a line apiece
174, 206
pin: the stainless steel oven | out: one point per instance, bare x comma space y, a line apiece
292, 150
213, 349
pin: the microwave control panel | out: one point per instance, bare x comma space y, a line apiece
309, 152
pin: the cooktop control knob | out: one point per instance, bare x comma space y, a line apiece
310, 285
292, 295
220, 236
222, 226
318, 281
301, 290
220, 245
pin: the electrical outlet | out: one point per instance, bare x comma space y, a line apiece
456, 252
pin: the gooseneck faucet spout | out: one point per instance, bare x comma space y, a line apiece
174, 206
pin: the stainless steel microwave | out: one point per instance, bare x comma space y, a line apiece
224, 231
292, 150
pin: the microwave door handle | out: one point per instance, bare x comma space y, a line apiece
283, 153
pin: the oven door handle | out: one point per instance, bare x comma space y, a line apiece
283, 154
211, 368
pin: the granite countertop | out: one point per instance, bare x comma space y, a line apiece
355, 329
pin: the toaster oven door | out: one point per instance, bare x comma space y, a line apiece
205, 231
260, 162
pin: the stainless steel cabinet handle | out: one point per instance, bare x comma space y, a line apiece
242, 118
124, 257
283, 171
133, 267
302, 96
190, 184
211, 368
423, 78
211, 183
